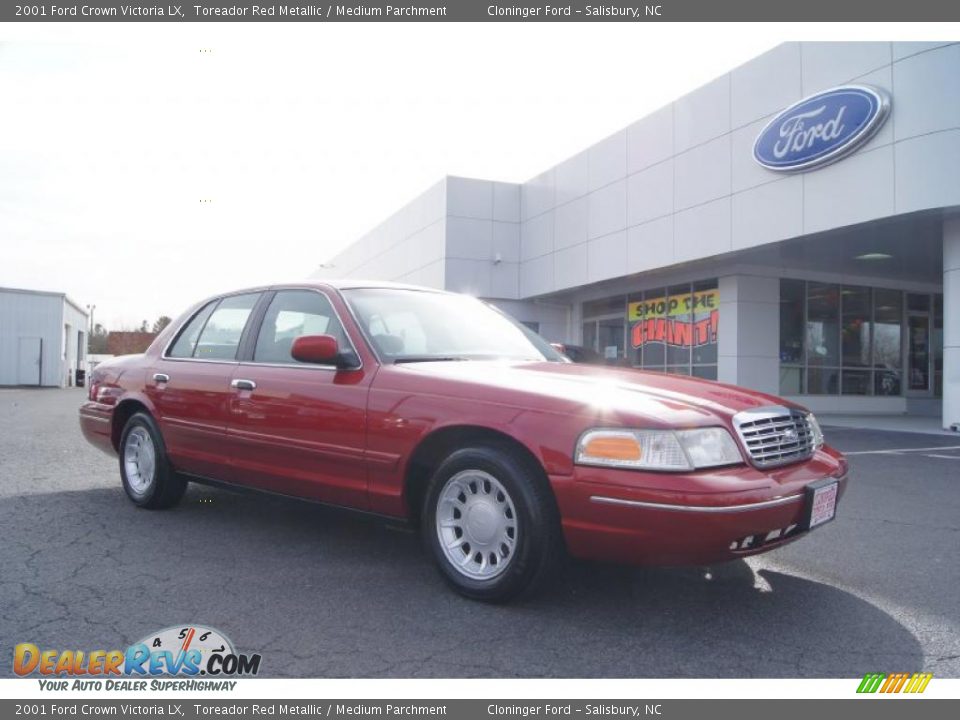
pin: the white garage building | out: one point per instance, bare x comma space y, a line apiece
43, 338
792, 226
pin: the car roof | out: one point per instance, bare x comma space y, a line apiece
354, 284
335, 284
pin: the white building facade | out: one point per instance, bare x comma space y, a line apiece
43, 338
834, 280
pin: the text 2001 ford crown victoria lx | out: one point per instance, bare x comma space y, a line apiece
433, 406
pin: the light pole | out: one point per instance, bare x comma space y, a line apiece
91, 308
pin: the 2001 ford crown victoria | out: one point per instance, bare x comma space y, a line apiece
433, 406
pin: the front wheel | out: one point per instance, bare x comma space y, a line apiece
148, 479
490, 521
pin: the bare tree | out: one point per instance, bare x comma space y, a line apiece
160, 323
98, 340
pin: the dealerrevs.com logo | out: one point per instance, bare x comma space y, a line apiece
180, 651
887, 683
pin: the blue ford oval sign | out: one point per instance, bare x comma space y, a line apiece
822, 128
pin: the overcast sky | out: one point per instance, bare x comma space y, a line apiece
301, 137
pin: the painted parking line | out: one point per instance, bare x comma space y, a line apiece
898, 451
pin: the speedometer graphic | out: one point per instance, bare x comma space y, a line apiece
194, 645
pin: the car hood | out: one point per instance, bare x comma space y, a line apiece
658, 398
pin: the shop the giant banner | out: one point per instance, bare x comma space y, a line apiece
684, 320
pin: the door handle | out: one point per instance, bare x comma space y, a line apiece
161, 378
240, 384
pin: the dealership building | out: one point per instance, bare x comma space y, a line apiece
792, 226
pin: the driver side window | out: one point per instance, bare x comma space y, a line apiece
293, 313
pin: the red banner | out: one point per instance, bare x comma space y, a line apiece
679, 333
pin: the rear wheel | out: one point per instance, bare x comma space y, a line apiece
491, 523
147, 477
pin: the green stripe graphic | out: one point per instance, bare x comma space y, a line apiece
871, 682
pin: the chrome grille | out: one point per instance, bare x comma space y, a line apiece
775, 435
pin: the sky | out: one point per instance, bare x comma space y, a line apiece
145, 167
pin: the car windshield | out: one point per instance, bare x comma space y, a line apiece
422, 326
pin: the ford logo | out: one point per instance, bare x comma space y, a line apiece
822, 128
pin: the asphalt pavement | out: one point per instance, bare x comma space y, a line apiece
325, 593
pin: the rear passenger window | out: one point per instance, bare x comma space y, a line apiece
187, 341
220, 337
293, 313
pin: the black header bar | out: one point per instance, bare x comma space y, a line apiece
187, 708
484, 11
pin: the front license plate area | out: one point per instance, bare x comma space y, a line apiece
820, 502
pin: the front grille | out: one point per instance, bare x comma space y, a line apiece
775, 435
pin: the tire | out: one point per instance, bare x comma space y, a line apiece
491, 523
147, 477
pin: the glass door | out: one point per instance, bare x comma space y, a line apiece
606, 336
610, 340
590, 335
918, 354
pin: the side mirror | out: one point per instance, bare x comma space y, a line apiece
321, 350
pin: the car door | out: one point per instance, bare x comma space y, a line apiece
297, 428
189, 385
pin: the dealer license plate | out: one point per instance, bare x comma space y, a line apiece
821, 502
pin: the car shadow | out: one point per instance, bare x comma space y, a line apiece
325, 593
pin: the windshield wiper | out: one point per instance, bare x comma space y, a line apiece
429, 358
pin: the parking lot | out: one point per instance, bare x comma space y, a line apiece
325, 593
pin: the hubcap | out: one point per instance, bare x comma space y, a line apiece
139, 460
477, 524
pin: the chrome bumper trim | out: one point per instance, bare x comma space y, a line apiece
699, 508
95, 418
775, 502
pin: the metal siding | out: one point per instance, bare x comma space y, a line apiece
78, 322
686, 175
31, 315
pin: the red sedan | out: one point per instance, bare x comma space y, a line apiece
435, 407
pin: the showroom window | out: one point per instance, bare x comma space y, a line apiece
850, 340
674, 329
604, 328
669, 329
938, 346
887, 342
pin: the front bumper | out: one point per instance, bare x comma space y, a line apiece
701, 518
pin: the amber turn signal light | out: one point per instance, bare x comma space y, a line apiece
613, 447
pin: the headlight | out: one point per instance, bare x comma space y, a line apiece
673, 450
815, 431
709, 447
